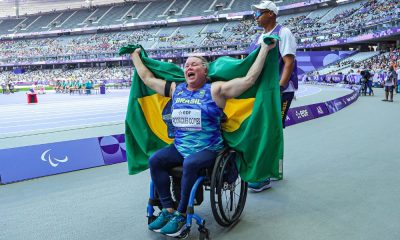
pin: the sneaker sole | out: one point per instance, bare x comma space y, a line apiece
155, 230
261, 189
178, 232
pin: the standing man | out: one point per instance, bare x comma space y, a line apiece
390, 84
398, 77
265, 14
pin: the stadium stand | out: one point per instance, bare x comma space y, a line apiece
81, 74
153, 25
345, 64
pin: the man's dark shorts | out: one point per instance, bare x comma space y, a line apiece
389, 88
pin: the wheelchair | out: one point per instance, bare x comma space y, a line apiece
228, 193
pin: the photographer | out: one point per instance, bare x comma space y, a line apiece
367, 81
390, 84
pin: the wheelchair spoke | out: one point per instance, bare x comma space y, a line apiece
231, 199
235, 201
227, 207
238, 182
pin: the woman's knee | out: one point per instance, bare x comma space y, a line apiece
190, 167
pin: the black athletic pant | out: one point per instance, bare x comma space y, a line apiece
286, 100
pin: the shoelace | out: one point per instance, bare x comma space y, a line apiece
177, 219
165, 214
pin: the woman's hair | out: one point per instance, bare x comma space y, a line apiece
203, 61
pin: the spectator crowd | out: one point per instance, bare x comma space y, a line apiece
349, 22
48, 76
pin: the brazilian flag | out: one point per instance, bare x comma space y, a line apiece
253, 127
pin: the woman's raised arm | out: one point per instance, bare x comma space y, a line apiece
237, 86
148, 77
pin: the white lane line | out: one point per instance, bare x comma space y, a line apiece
32, 108
83, 117
46, 123
72, 112
79, 100
313, 93
58, 129
301, 91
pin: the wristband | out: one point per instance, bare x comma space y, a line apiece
167, 88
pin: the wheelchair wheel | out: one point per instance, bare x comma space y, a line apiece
227, 194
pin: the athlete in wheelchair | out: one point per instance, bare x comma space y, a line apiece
198, 148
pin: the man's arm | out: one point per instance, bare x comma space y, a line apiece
287, 70
237, 86
287, 48
148, 77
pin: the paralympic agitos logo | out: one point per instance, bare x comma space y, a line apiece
54, 162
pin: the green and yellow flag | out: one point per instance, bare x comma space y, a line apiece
253, 127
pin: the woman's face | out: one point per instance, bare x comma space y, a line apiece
195, 72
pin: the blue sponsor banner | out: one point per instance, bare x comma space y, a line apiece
318, 110
331, 107
305, 113
337, 78
354, 78
289, 120
349, 99
342, 102
339, 103
298, 115
17, 164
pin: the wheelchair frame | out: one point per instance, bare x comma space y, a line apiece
218, 184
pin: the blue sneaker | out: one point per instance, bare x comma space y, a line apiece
175, 226
260, 186
162, 219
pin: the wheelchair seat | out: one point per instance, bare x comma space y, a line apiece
177, 172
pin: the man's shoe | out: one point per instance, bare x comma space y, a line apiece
175, 226
260, 186
162, 219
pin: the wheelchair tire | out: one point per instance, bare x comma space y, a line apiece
227, 199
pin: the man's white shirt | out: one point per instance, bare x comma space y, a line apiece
287, 46
398, 73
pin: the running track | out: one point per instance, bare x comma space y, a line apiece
63, 111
